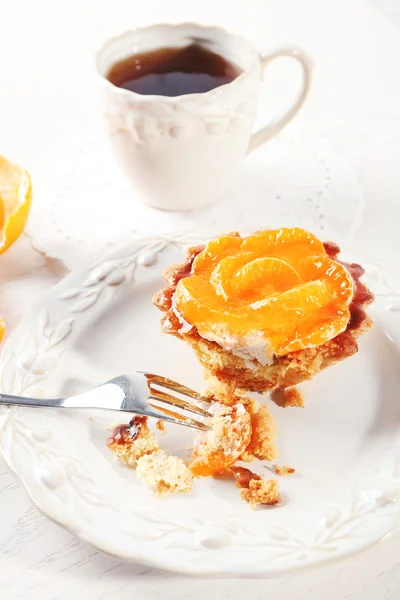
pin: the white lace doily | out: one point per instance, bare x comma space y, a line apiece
83, 206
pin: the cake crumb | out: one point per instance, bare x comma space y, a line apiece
224, 392
262, 492
160, 425
284, 470
164, 473
132, 441
288, 397
263, 435
254, 489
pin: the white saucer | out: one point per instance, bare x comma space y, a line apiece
84, 207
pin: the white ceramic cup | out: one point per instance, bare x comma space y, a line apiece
181, 153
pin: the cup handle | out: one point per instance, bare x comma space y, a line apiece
272, 128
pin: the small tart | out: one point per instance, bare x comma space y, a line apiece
244, 355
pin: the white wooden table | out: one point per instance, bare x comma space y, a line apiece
47, 92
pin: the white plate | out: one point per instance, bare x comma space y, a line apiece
345, 444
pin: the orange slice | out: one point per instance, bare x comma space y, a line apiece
2, 328
15, 202
226, 245
264, 276
323, 268
285, 243
244, 277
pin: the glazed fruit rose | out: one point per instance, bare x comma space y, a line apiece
277, 287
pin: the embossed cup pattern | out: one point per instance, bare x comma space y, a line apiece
182, 153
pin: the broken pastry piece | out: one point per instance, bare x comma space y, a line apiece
267, 311
138, 448
221, 446
288, 397
224, 392
254, 489
130, 442
262, 443
164, 473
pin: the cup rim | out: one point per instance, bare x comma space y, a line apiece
239, 80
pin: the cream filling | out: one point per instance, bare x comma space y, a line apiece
250, 347
185, 327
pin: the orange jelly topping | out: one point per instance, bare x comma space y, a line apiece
277, 283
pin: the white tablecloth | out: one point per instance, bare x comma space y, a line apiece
47, 91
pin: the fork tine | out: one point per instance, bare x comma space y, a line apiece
158, 398
173, 401
178, 418
174, 386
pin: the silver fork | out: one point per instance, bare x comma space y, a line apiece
140, 393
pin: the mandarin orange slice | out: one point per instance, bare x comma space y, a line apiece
226, 245
15, 201
2, 328
264, 276
325, 269
244, 277
285, 243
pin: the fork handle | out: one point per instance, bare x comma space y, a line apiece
23, 401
